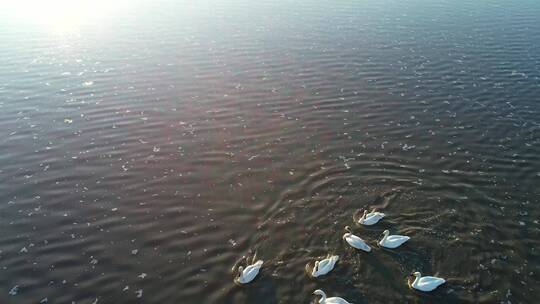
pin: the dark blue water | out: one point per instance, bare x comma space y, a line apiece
143, 151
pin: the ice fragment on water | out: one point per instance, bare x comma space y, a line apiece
14, 290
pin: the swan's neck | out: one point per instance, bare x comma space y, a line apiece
415, 282
240, 271
323, 298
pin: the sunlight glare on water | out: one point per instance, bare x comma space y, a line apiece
61, 16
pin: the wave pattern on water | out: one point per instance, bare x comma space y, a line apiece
151, 157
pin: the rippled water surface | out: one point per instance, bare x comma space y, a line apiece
143, 152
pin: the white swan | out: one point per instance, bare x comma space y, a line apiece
355, 241
392, 241
324, 266
249, 273
426, 283
332, 300
370, 218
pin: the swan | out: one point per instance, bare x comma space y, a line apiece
369, 219
392, 241
323, 267
332, 300
249, 273
426, 283
355, 241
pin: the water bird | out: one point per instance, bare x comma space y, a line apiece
332, 300
392, 241
368, 219
426, 283
322, 267
246, 275
355, 241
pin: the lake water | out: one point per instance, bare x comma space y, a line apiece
145, 149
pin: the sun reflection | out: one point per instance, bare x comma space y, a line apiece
60, 15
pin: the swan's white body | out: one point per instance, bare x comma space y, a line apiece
355, 241
370, 218
247, 275
324, 266
392, 241
332, 300
426, 283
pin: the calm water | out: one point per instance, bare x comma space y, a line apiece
144, 152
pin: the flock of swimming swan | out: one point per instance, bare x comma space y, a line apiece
324, 266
